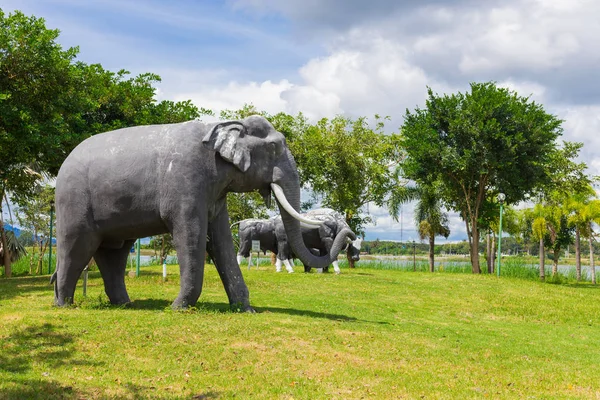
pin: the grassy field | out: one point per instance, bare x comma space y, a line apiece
367, 333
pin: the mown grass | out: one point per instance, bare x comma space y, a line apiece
367, 333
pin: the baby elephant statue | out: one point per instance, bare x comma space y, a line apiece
321, 239
136, 182
262, 230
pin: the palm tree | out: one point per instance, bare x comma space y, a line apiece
560, 233
590, 215
430, 219
540, 230
546, 227
578, 218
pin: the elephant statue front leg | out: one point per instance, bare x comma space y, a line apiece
223, 253
190, 242
336, 267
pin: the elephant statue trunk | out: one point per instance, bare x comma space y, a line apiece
287, 195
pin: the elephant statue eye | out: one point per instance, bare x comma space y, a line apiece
275, 148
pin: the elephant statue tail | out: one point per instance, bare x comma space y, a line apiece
236, 240
53, 279
54, 275
234, 224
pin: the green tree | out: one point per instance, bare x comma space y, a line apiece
49, 103
478, 144
162, 245
348, 164
37, 99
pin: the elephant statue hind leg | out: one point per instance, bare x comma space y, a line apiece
73, 255
112, 264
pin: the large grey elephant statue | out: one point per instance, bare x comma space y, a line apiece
322, 238
135, 182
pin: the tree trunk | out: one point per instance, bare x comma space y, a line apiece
488, 252
431, 252
40, 260
577, 254
592, 267
555, 261
5, 250
493, 251
475, 247
350, 260
542, 260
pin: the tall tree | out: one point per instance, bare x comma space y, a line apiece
478, 144
348, 164
49, 103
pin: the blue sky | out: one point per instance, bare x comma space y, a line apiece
353, 57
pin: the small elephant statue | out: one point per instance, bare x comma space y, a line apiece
141, 181
262, 230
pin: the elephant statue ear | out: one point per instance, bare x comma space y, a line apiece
224, 138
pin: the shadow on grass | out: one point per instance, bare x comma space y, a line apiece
150, 304
39, 345
208, 307
157, 304
307, 313
43, 349
582, 286
19, 388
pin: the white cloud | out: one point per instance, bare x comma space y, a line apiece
582, 124
350, 81
533, 90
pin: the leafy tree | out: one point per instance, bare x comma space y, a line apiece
49, 103
162, 245
348, 164
478, 144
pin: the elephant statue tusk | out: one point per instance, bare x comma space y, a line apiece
280, 196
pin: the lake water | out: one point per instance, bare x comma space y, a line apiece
407, 262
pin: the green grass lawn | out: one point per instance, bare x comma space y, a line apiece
366, 333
